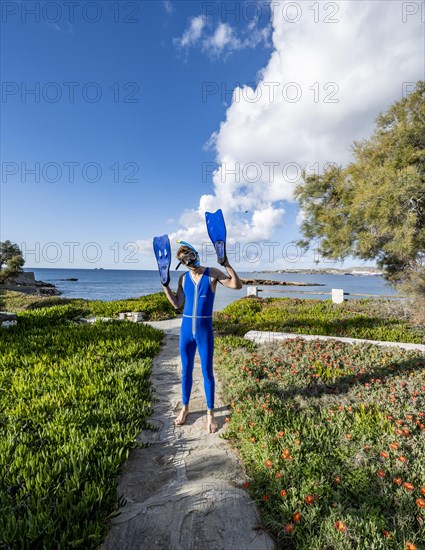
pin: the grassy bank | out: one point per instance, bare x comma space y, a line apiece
73, 398
332, 435
155, 306
369, 318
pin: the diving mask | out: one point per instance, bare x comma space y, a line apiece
190, 258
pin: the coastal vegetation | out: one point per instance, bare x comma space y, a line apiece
331, 434
154, 306
332, 437
374, 208
11, 257
368, 318
73, 398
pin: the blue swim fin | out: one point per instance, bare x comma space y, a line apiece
162, 249
217, 232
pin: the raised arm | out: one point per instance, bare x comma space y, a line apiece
177, 299
230, 280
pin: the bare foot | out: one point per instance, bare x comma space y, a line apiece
212, 425
181, 419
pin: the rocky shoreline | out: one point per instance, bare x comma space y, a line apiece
25, 282
328, 271
282, 283
39, 288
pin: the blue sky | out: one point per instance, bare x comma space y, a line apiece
133, 108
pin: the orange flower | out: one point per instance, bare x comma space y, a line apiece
278, 475
252, 439
340, 526
285, 453
347, 436
283, 493
337, 479
398, 481
422, 490
408, 486
384, 454
401, 458
296, 517
251, 424
268, 463
288, 528
387, 534
420, 502
280, 434
380, 473
266, 497
393, 446
309, 499
411, 546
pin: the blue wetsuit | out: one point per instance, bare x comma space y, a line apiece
197, 331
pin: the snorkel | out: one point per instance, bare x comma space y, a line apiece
195, 262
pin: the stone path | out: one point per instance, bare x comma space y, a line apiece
184, 491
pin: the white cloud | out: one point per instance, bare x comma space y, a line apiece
223, 40
168, 6
222, 37
193, 33
344, 73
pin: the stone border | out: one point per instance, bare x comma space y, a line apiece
265, 336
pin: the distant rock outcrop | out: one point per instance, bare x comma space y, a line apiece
282, 283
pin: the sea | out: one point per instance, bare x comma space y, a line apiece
118, 284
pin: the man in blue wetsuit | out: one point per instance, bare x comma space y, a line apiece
196, 289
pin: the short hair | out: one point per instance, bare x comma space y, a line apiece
183, 250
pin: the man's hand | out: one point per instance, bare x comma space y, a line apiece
223, 262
